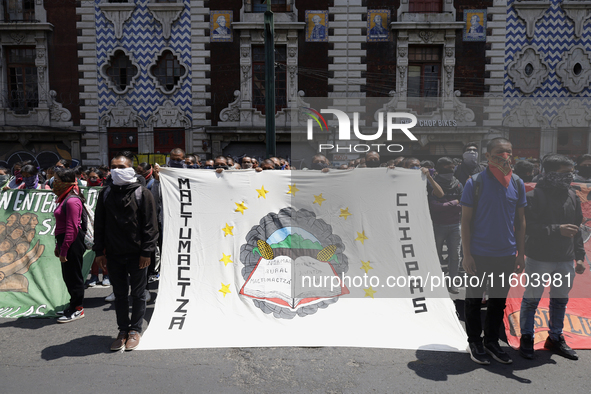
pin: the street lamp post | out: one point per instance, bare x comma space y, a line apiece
270, 81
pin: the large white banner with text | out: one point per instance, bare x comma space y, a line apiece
300, 258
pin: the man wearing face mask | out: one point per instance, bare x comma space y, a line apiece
31, 178
125, 236
372, 159
554, 240
177, 158
140, 178
320, 162
583, 169
493, 242
470, 165
446, 215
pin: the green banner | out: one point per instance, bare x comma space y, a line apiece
31, 283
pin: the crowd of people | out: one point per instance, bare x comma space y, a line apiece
480, 210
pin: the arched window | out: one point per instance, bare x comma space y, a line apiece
121, 71
168, 71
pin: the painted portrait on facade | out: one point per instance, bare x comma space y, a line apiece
378, 22
220, 30
475, 25
316, 26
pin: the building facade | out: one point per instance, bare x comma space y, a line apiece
39, 117
158, 74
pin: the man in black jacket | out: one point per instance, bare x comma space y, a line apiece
126, 233
553, 217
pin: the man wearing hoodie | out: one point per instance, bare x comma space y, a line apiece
446, 214
553, 241
470, 165
125, 236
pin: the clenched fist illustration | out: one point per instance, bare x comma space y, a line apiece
16, 254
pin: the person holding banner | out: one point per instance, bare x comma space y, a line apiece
69, 235
125, 236
554, 240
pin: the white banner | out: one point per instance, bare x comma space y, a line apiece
300, 258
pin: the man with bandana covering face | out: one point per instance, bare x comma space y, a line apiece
493, 241
177, 158
126, 234
554, 240
470, 164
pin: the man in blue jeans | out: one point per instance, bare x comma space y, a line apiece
554, 240
493, 231
446, 215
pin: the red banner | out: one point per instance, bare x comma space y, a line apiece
577, 322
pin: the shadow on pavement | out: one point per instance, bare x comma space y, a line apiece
29, 323
438, 366
79, 347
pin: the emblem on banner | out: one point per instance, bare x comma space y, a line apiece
289, 260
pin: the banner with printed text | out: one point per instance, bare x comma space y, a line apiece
31, 283
300, 258
577, 322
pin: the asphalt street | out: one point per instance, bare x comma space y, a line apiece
39, 355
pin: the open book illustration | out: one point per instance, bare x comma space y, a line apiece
293, 273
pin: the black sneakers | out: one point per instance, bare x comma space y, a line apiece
477, 353
526, 346
494, 349
561, 348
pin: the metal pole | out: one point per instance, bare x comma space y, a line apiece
270, 81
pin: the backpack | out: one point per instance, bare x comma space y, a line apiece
86, 217
477, 188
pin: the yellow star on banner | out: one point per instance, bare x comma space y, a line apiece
361, 237
319, 199
292, 189
228, 230
365, 266
226, 259
226, 289
262, 192
368, 292
240, 207
345, 213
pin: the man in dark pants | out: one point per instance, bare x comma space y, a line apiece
126, 232
493, 230
554, 240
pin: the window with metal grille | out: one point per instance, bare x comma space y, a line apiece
258, 78
168, 70
425, 6
276, 5
22, 79
19, 10
121, 71
424, 72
